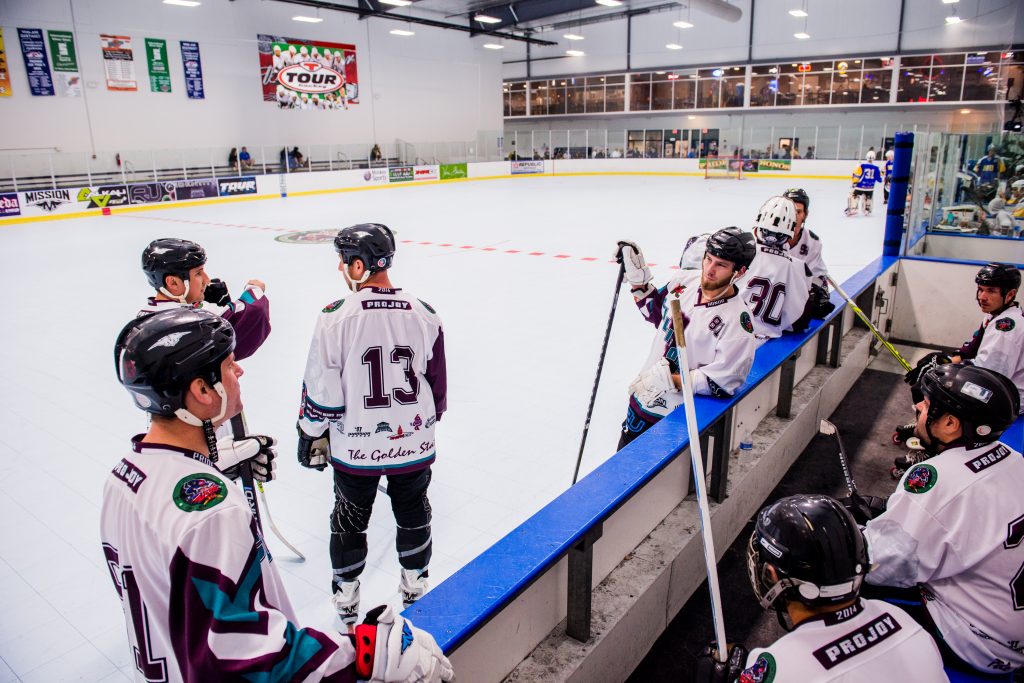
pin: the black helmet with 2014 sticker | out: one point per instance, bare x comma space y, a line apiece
170, 256
733, 244
1006, 276
371, 243
985, 401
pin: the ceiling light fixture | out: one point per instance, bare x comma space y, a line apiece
953, 19
673, 46
965, 111
401, 32
486, 19
182, 3
609, 3
691, 117
572, 36
575, 53
308, 20
682, 24
396, 3
798, 13
494, 46
801, 35
950, 2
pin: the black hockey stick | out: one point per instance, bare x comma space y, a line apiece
829, 429
600, 366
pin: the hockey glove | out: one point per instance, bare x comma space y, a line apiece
389, 649
864, 508
710, 670
257, 450
924, 365
217, 293
314, 452
650, 385
820, 305
637, 273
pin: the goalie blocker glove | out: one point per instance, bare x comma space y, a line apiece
314, 451
256, 449
389, 649
638, 274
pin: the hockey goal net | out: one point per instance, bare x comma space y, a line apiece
722, 167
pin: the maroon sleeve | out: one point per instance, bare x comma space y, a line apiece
437, 375
970, 347
251, 321
652, 305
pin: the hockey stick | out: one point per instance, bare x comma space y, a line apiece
239, 431
864, 319
600, 366
829, 429
697, 462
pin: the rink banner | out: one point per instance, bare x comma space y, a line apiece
229, 187
774, 164
118, 62
375, 176
46, 200
452, 171
156, 62
33, 51
193, 69
151, 193
64, 59
103, 196
9, 204
5, 74
524, 167
196, 189
712, 163
425, 173
308, 74
400, 174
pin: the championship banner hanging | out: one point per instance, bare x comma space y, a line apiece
193, 69
33, 51
118, 62
156, 60
5, 75
65, 63
308, 74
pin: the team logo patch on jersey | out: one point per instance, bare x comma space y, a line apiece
1005, 324
199, 492
921, 479
746, 323
331, 308
763, 670
383, 427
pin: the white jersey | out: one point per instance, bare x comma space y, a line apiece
1001, 340
808, 250
720, 343
956, 525
376, 376
201, 597
776, 288
868, 642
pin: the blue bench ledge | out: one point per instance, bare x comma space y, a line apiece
464, 602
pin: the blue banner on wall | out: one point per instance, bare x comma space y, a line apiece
33, 50
193, 69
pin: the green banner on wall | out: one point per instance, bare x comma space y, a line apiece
451, 171
159, 72
62, 50
775, 164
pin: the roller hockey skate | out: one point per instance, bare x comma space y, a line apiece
903, 432
413, 585
346, 601
915, 455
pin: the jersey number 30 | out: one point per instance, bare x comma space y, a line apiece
1014, 536
767, 300
373, 358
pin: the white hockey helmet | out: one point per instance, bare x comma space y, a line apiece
1018, 185
870, 155
776, 221
889, 154
693, 252
996, 205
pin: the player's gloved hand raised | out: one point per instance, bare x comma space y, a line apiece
650, 385
925, 364
632, 259
217, 293
389, 649
820, 304
314, 451
864, 508
256, 449
710, 670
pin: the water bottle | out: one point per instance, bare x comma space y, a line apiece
746, 440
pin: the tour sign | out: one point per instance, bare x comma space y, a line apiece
310, 77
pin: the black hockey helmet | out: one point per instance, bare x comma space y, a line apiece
817, 550
170, 256
156, 356
1002, 275
985, 402
371, 243
733, 244
798, 196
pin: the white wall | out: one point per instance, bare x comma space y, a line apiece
437, 85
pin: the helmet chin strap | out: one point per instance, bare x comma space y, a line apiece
188, 418
183, 299
354, 284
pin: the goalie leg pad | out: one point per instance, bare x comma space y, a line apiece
868, 202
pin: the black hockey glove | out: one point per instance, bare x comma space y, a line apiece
217, 293
314, 452
255, 449
820, 305
925, 364
710, 670
864, 508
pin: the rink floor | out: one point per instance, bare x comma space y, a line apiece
519, 271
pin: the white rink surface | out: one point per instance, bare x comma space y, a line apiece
523, 335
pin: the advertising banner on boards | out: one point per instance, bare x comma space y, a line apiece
523, 167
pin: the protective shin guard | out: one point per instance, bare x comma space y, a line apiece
868, 201
414, 546
348, 557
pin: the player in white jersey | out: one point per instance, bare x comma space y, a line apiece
374, 388
887, 174
202, 598
806, 246
953, 532
806, 561
776, 286
719, 334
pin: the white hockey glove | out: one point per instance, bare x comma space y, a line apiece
389, 649
314, 451
629, 255
650, 385
257, 449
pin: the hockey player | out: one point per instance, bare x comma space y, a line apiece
952, 532
806, 246
777, 286
990, 168
862, 193
806, 561
202, 599
887, 174
374, 387
176, 269
719, 333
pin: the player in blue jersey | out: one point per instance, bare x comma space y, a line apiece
990, 167
864, 179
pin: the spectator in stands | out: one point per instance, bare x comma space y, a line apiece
990, 168
786, 154
375, 153
615, 154
233, 157
546, 151
298, 158
810, 152
796, 153
245, 159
